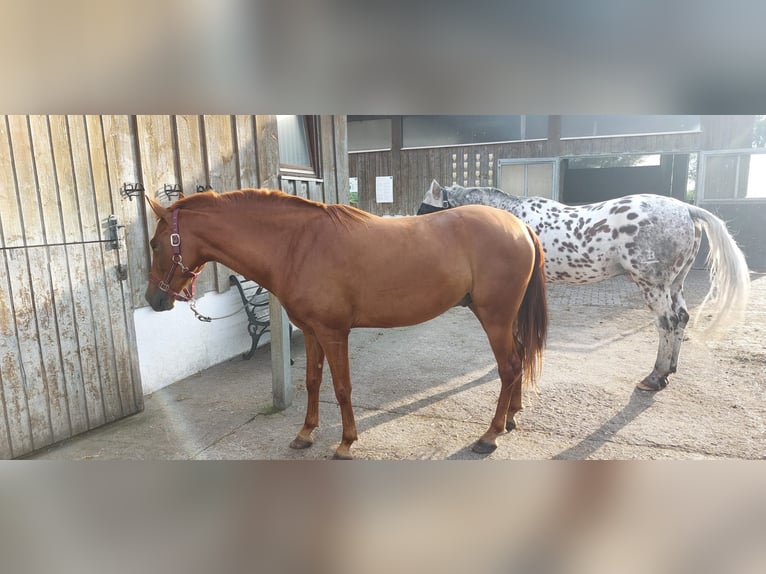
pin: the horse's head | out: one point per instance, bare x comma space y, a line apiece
174, 266
435, 199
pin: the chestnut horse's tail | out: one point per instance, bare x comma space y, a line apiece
532, 320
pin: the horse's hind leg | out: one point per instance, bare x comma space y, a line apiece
502, 341
678, 302
517, 403
682, 312
314, 364
670, 324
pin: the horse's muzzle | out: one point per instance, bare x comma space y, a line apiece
159, 300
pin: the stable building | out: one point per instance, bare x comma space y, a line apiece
79, 346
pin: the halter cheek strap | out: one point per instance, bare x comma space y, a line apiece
187, 293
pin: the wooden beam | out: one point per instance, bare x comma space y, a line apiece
281, 379
267, 146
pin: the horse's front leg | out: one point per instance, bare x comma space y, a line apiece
335, 345
314, 363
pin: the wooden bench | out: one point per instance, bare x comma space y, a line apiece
256, 301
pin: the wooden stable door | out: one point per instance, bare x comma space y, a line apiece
67, 352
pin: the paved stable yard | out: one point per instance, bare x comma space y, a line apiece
427, 392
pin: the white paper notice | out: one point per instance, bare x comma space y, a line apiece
384, 189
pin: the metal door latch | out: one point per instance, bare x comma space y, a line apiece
111, 229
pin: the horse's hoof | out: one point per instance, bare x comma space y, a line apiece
510, 424
300, 443
482, 447
339, 456
652, 384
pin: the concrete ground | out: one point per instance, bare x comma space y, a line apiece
427, 392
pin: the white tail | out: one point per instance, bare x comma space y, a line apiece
729, 275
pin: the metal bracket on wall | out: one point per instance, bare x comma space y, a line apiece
131, 190
171, 190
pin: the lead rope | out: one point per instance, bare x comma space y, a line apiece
205, 318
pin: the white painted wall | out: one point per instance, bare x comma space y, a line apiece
174, 344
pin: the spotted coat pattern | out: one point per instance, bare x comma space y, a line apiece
650, 238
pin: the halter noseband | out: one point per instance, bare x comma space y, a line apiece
187, 293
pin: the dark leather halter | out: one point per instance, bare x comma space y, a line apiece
187, 293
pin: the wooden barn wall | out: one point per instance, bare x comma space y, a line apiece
332, 186
226, 153
68, 353
67, 346
413, 169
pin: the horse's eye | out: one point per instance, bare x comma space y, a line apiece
153, 245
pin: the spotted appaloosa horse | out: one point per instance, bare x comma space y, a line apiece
651, 238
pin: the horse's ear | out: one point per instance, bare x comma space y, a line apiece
435, 187
159, 209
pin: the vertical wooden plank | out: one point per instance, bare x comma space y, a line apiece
341, 160
107, 300
154, 135
17, 433
405, 171
301, 189
281, 377
221, 153
223, 172
14, 423
248, 162
327, 156
191, 162
156, 151
267, 146
52, 283
401, 183
28, 285
191, 156
85, 263
122, 167
70, 298
363, 186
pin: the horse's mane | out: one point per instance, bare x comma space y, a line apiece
338, 213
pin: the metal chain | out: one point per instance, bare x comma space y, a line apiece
205, 318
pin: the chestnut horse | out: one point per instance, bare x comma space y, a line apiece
334, 267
